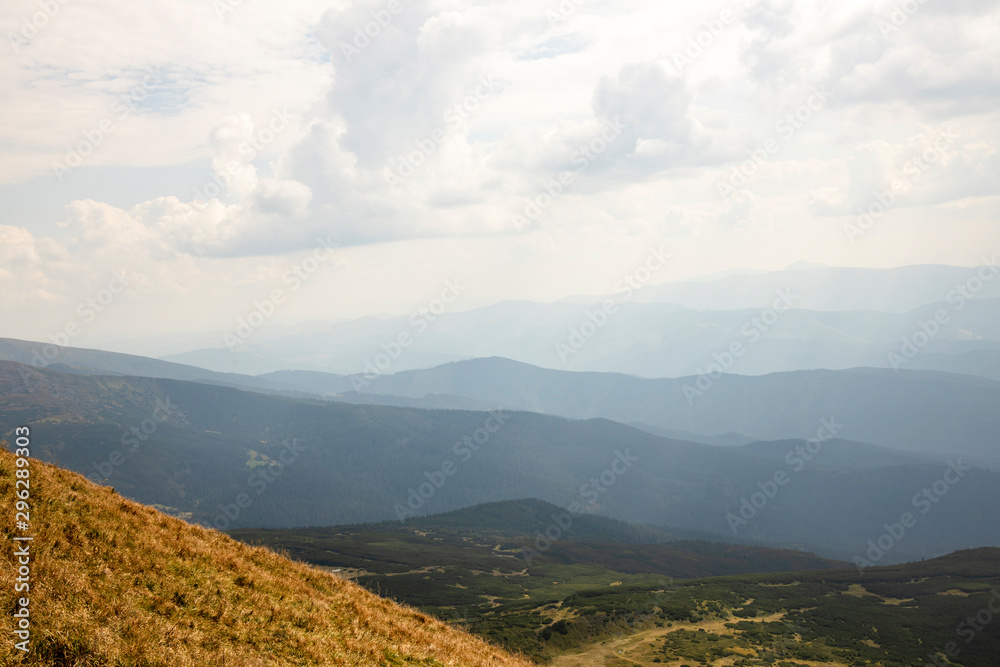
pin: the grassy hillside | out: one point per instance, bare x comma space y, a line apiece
117, 583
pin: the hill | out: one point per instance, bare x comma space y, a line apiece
922, 411
83, 361
590, 603
917, 411
520, 518
114, 582
231, 459
829, 288
474, 538
837, 319
486, 567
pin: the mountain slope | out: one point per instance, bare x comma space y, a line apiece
917, 411
114, 582
76, 359
500, 539
232, 459
652, 339
927, 411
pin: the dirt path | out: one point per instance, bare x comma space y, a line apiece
633, 649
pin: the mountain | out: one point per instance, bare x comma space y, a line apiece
114, 582
645, 339
952, 415
474, 537
233, 458
917, 411
83, 361
525, 518
483, 567
894, 290
832, 318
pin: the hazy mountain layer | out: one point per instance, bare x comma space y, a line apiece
232, 458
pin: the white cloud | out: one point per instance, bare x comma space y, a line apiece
414, 100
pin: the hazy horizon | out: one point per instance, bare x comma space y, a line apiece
531, 152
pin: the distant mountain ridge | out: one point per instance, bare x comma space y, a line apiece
840, 318
234, 458
918, 411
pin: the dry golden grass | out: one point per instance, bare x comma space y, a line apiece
114, 582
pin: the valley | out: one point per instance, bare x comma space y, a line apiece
586, 602
477, 333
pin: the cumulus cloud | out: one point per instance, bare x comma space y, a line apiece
370, 126
933, 167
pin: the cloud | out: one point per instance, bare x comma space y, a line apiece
933, 167
445, 119
664, 129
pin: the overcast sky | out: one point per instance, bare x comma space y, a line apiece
531, 150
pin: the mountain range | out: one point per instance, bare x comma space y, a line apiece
799, 319
231, 458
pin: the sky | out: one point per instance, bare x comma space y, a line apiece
176, 165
